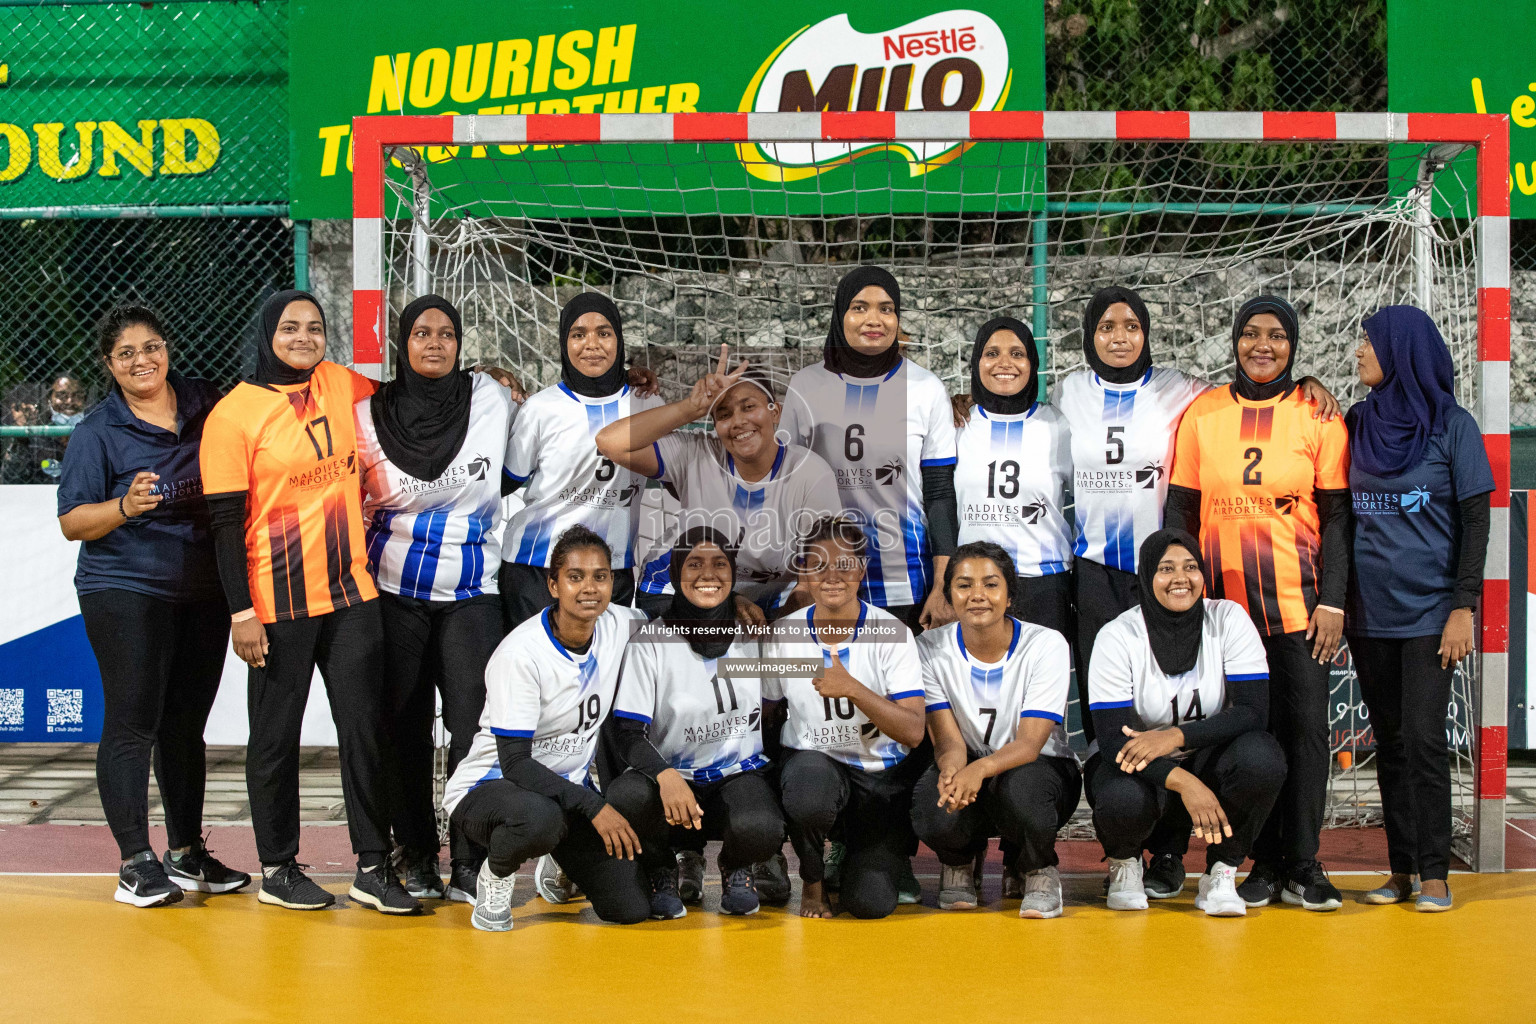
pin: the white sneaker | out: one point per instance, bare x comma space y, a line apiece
550, 882
1042, 894
493, 901
1217, 895
1125, 888
957, 887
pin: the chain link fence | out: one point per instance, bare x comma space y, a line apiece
143, 157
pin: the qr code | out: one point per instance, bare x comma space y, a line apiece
12, 709
65, 708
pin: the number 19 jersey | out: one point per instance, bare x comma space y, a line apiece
1122, 453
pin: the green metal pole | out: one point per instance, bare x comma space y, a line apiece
48, 431
301, 255
1041, 320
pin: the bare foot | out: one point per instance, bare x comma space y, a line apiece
813, 901
1434, 887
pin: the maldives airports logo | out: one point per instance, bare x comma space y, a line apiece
952, 61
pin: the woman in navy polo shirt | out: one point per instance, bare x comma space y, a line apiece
150, 596
1420, 480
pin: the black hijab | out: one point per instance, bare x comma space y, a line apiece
1097, 306
269, 368
841, 357
710, 631
1245, 386
1175, 636
421, 421
1005, 405
612, 381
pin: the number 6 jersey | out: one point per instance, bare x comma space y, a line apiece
536, 689
1122, 455
1125, 673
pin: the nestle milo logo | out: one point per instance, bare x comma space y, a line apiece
951, 61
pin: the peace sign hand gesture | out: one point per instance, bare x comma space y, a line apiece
711, 386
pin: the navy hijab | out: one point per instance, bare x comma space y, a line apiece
1390, 429
841, 357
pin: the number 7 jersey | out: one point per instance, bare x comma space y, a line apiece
1122, 457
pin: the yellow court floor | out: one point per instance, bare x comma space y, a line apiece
68, 953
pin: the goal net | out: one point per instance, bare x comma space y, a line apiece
711, 229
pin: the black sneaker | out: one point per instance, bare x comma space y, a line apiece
288, 886
380, 889
1262, 886
690, 883
1309, 888
421, 875
771, 878
666, 902
198, 870
463, 877
738, 896
1164, 877
142, 883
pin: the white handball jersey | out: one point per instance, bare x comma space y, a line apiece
1011, 485
876, 435
882, 656
1125, 674
707, 727
536, 689
765, 518
438, 540
567, 482
988, 699
1122, 457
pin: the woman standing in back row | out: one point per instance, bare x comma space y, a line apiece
1420, 480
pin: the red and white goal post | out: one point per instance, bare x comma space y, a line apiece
1460, 261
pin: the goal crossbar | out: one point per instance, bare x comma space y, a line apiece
1485, 134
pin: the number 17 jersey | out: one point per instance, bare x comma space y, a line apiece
1122, 457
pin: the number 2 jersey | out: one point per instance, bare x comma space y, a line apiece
1125, 673
1122, 453
536, 689
989, 699
706, 726
1011, 483
293, 449
877, 434
882, 656
553, 451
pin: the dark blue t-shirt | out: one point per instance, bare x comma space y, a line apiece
168, 551
1408, 535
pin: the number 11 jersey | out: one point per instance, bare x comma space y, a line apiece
1122, 457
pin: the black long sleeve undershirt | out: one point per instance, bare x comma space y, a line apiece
227, 511
518, 765
1247, 710
1181, 510
509, 483
1475, 527
634, 745
939, 507
1334, 513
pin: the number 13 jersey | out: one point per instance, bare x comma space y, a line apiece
1122, 454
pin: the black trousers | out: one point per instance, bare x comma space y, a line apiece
1407, 694
741, 810
873, 811
515, 826
1298, 718
348, 648
525, 591
1025, 806
160, 664
1246, 774
432, 647
1103, 594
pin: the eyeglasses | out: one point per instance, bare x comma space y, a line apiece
126, 356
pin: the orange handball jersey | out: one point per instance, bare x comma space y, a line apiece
1256, 465
293, 449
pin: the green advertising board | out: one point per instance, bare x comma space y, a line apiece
1472, 56
136, 104
584, 56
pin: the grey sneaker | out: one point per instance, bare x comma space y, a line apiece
493, 901
1125, 888
1013, 885
1042, 894
550, 882
771, 877
690, 882
957, 887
